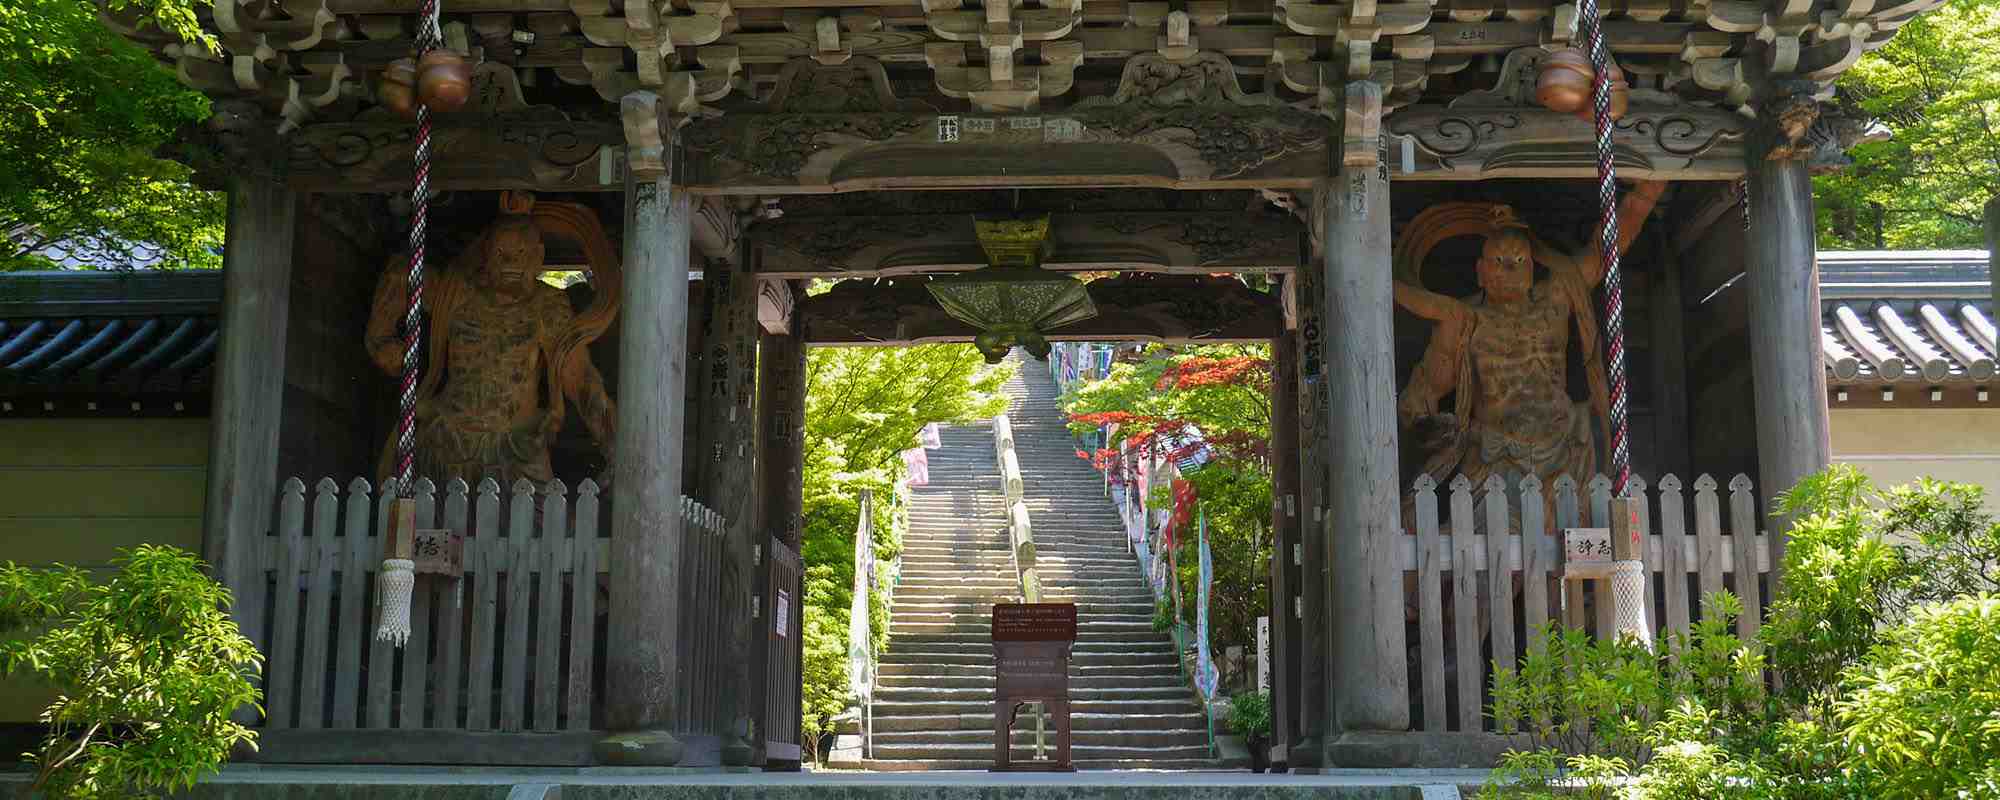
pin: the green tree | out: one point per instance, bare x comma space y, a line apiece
1937, 87
147, 666
864, 407
83, 115
1222, 393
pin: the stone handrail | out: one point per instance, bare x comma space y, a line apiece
860, 655
1020, 532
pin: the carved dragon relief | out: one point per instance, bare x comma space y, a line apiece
1198, 105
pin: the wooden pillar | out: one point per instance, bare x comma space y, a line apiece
1787, 367
1310, 558
781, 403
1369, 685
728, 481
1674, 445
249, 389
1285, 534
641, 662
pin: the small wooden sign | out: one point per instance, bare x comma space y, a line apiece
1034, 622
781, 616
1587, 552
438, 551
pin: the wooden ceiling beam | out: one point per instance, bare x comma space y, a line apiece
1157, 308
1184, 242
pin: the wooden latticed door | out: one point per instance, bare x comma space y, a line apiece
783, 652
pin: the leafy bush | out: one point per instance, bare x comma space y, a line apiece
147, 665
824, 673
1886, 639
1860, 560
1250, 716
1921, 712
1572, 694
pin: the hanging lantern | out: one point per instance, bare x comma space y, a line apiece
1013, 301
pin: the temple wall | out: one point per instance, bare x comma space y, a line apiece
75, 491
1895, 446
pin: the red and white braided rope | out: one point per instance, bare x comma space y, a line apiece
428, 38
1601, 103
1607, 198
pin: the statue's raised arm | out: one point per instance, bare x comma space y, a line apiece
1632, 211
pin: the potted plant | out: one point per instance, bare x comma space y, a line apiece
1250, 717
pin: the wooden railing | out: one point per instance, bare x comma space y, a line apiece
1462, 534
515, 645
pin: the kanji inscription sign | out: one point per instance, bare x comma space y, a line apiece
1034, 622
438, 551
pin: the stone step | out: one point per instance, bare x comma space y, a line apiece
971, 752
972, 656
982, 722
931, 679
1082, 764
966, 619
923, 708
1077, 694
984, 635
984, 671
1023, 735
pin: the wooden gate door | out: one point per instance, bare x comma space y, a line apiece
784, 586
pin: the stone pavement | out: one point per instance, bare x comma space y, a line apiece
258, 782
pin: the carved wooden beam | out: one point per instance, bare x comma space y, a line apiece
1477, 143
469, 153
1171, 124
1174, 242
776, 303
1142, 308
717, 229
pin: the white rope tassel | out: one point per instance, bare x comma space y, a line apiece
1628, 593
393, 586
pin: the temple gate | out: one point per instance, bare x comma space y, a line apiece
1257, 170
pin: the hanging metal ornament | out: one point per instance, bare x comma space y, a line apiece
1013, 301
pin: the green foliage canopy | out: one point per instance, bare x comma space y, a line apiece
148, 667
83, 113
864, 406
1937, 87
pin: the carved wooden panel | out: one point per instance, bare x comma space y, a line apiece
1167, 241
1168, 308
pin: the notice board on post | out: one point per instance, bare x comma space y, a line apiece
1031, 652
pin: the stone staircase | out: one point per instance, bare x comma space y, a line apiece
934, 691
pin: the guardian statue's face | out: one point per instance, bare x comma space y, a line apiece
514, 257
1506, 268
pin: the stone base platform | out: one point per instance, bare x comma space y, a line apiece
267, 782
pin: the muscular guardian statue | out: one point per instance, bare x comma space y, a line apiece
1505, 353
504, 353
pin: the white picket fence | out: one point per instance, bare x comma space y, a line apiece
511, 646
1461, 535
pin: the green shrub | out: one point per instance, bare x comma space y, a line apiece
1886, 640
147, 666
1250, 716
1921, 712
1860, 560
